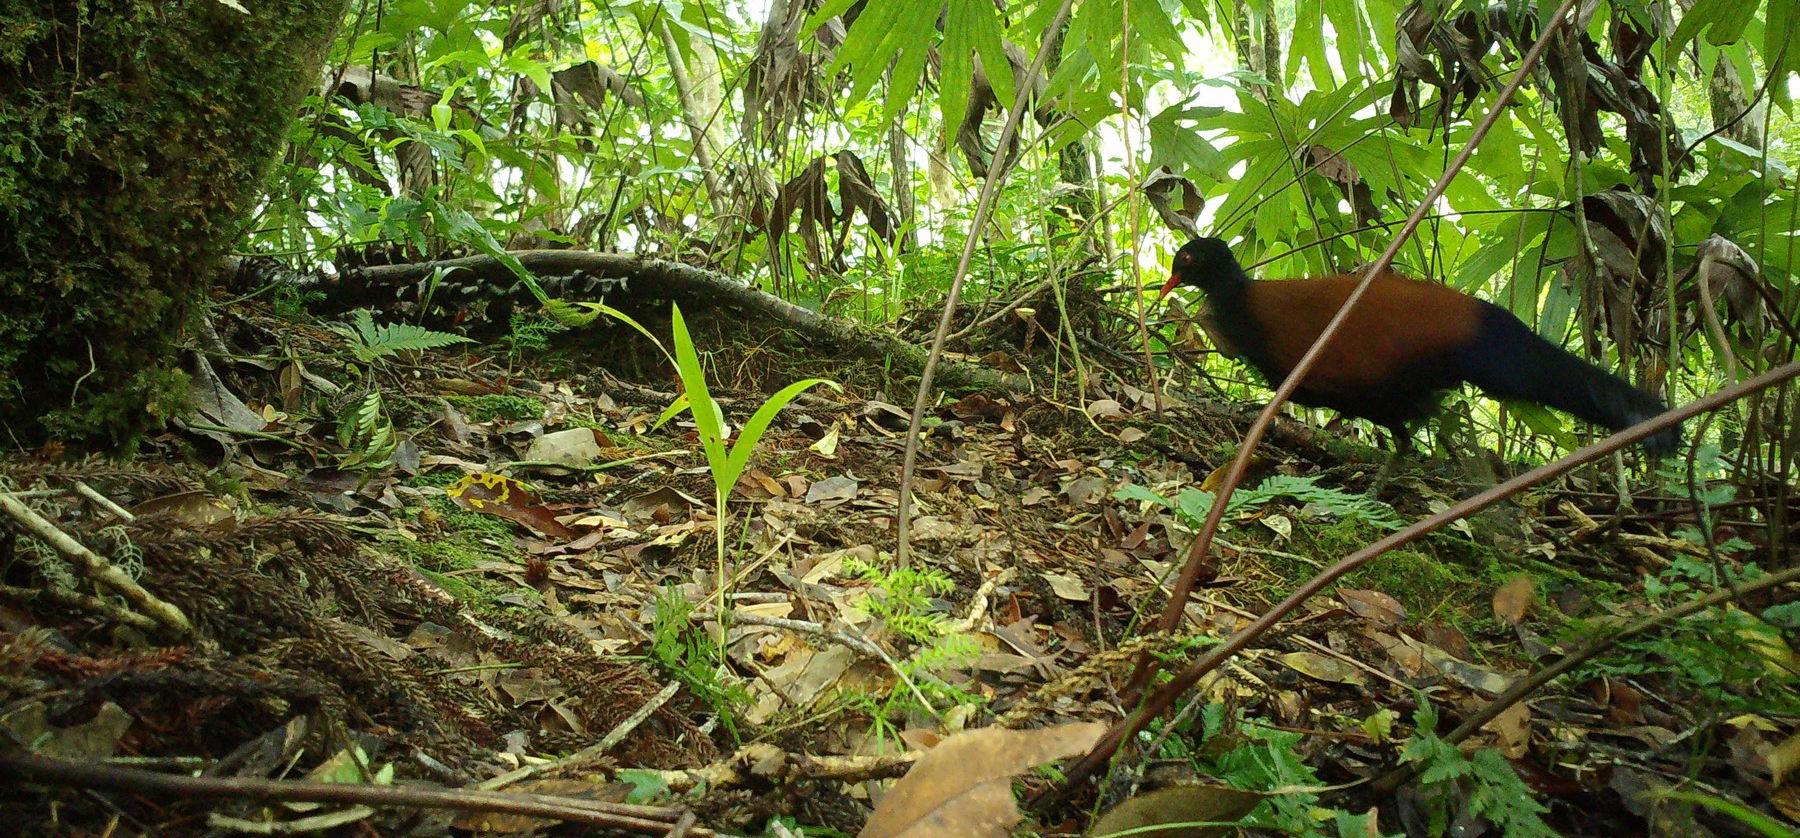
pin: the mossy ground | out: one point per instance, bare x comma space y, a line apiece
134, 137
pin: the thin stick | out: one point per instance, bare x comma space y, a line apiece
95, 566
589, 753
103, 502
989, 189
1190, 572
34, 768
1163, 698
84, 602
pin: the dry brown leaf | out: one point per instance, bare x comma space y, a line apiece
495, 494
832, 490
1513, 730
1067, 586
1324, 668
1105, 409
1382, 611
1176, 812
963, 787
1513, 601
1163, 188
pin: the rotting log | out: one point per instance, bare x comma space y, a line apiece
693, 287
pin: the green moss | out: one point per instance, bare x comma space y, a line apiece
1442, 577
462, 591
489, 408
440, 479
134, 139
464, 522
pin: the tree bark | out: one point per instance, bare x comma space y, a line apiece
134, 139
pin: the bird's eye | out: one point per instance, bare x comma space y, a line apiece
1184, 259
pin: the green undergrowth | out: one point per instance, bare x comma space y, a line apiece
1446, 577
488, 408
458, 541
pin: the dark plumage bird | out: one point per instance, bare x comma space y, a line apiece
1404, 344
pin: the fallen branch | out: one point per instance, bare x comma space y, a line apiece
1164, 697
651, 820
695, 286
95, 566
78, 601
761, 763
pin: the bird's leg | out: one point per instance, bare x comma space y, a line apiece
1402, 447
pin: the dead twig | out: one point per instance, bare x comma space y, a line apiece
588, 754
78, 601
95, 566
650, 820
1592, 647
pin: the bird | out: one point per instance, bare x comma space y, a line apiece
1404, 344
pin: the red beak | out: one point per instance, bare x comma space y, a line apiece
1174, 280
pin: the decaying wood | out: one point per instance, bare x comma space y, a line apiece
696, 287
95, 566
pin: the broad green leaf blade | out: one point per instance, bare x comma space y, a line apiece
622, 317
753, 429
707, 418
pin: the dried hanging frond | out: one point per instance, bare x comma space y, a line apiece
1335, 167
587, 85
1618, 290
528, 22
1584, 81
1160, 188
782, 80
823, 222
362, 85
969, 138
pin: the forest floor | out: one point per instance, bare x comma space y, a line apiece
494, 561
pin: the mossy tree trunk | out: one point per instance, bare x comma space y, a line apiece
135, 136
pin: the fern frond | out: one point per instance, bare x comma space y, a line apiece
371, 341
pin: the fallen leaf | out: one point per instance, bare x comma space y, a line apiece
1324, 668
1513, 730
827, 445
832, 490
1381, 610
963, 787
1176, 812
494, 494
573, 447
1067, 586
1105, 409
1513, 601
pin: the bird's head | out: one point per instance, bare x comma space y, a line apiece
1207, 264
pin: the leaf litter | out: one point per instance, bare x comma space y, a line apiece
510, 566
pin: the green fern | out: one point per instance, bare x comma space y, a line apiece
368, 434
1490, 787
1194, 504
1339, 502
370, 341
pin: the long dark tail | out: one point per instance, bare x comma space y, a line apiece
1509, 361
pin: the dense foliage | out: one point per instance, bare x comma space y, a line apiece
830, 152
